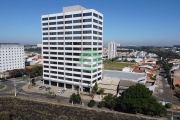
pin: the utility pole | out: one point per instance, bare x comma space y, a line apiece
171, 96
14, 87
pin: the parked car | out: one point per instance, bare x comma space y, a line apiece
48, 88
60, 90
42, 87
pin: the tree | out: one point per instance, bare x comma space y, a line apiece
101, 104
138, 99
168, 105
110, 101
125, 60
95, 88
101, 91
91, 103
75, 98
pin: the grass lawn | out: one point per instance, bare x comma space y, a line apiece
116, 65
1, 86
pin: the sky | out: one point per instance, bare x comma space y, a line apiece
128, 22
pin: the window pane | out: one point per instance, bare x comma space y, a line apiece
60, 22
77, 26
95, 15
76, 32
87, 32
68, 27
76, 21
45, 28
87, 26
44, 24
68, 32
52, 18
87, 20
59, 28
68, 22
68, 16
52, 28
52, 23
77, 15
43, 19
59, 17
87, 14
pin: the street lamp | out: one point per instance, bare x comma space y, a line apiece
14, 87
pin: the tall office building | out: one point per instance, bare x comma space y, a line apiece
11, 56
65, 37
112, 49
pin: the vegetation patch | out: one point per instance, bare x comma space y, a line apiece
116, 65
1, 86
17, 109
32, 86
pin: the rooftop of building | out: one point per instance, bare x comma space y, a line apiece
123, 75
9, 44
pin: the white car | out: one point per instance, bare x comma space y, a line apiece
60, 90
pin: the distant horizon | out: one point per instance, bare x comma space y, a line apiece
142, 23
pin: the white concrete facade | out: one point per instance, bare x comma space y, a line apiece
11, 56
64, 37
112, 49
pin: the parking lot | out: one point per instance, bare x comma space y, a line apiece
55, 89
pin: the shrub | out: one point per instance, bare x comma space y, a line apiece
177, 85
101, 104
91, 103
168, 105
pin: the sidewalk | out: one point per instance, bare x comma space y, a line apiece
55, 90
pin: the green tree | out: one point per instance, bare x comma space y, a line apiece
95, 88
101, 91
168, 105
125, 60
91, 103
75, 98
138, 99
110, 101
101, 104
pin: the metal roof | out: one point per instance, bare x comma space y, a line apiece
123, 75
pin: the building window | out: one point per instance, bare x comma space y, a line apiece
52, 33
100, 33
87, 14
68, 32
95, 26
77, 15
60, 48
94, 32
60, 22
77, 38
44, 24
52, 23
52, 43
52, 18
52, 28
95, 21
52, 38
68, 16
60, 38
87, 32
68, 27
68, 43
59, 28
44, 19
100, 17
60, 43
99, 43
95, 15
86, 43
45, 38
76, 21
94, 38
45, 33
87, 26
59, 17
45, 43
68, 38
60, 33
68, 22
94, 43
76, 26
100, 22
86, 37
87, 20
45, 28
76, 32
100, 28
68, 48
100, 38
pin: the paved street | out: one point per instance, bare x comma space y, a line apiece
163, 91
